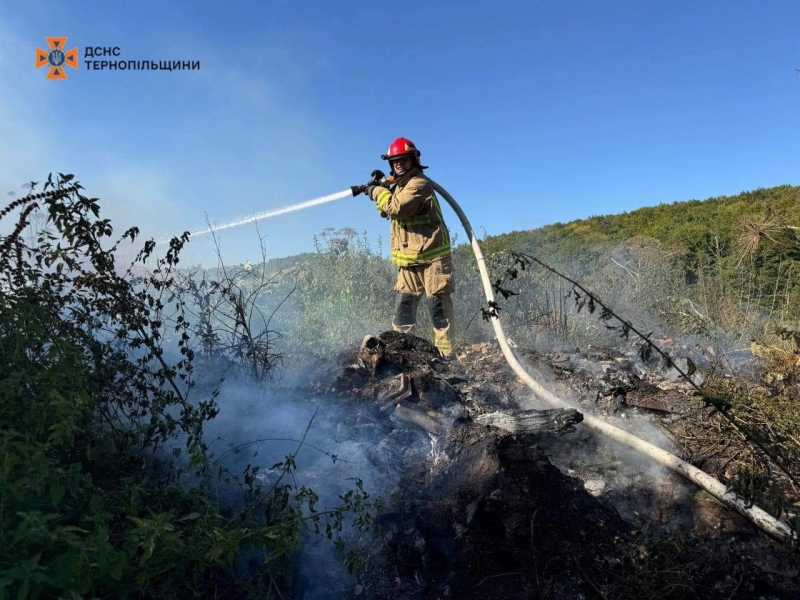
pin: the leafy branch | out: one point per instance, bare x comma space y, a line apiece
584, 298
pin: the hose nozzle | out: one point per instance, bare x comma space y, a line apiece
378, 178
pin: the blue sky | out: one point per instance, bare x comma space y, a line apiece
528, 112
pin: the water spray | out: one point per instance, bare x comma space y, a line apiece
276, 212
378, 178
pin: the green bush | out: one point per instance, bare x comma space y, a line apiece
92, 416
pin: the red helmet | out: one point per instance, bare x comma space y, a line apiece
402, 148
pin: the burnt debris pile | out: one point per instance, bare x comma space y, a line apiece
474, 510
487, 497
409, 382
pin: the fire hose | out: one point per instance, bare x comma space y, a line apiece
759, 517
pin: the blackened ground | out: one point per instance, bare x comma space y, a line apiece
492, 518
480, 513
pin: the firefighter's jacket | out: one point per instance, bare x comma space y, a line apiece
418, 232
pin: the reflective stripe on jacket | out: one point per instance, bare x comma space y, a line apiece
418, 232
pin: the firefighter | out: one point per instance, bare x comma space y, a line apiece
420, 244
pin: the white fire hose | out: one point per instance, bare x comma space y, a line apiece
721, 492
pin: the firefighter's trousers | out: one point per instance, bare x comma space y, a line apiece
435, 280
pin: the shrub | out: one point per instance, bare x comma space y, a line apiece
91, 502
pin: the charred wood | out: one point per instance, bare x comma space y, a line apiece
429, 420
557, 420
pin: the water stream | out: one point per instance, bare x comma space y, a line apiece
272, 213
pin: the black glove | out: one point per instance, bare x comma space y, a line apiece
377, 177
368, 191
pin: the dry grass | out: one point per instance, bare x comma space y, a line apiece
753, 230
770, 409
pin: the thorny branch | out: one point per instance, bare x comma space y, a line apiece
585, 298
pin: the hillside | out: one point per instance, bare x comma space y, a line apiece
704, 231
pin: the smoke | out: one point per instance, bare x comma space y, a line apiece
258, 426
639, 488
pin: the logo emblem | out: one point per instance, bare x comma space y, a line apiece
57, 58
